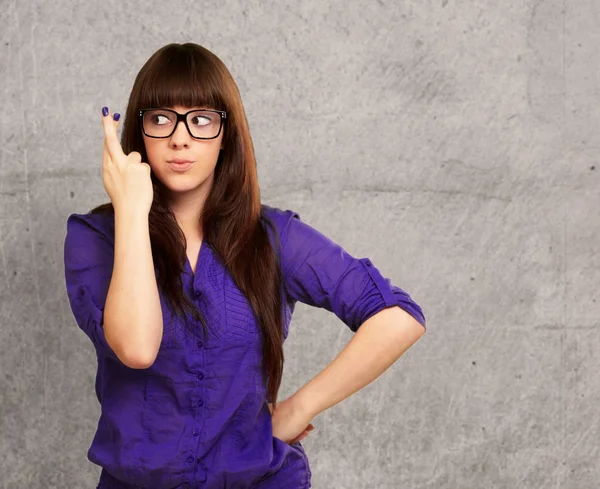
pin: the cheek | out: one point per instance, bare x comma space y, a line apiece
152, 148
155, 157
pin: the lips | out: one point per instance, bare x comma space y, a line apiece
180, 165
179, 161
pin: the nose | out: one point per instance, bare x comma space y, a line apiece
181, 136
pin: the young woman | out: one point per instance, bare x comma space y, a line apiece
186, 284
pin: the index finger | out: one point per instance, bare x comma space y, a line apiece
111, 139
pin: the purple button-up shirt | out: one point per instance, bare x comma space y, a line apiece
198, 417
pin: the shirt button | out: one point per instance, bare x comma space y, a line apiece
197, 293
368, 263
81, 291
190, 459
200, 344
200, 402
200, 375
196, 433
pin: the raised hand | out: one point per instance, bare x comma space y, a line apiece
126, 178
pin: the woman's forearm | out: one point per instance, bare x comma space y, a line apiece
377, 344
132, 315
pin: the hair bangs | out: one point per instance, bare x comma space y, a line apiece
178, 78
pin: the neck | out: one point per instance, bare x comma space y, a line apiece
187, 207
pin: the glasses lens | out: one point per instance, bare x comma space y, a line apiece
158, 123
202, 123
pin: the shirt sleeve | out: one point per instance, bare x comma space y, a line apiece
320, 273
88, 258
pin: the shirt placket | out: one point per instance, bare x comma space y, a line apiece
198, 398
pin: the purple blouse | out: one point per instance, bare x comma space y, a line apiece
198, 417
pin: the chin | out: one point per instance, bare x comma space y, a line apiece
182, 185
184, 182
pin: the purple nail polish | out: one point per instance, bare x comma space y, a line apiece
116, 116
104, 111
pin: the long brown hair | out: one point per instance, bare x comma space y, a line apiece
233, 225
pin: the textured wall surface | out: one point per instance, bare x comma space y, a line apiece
454, 143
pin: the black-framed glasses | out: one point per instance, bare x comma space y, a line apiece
201, 124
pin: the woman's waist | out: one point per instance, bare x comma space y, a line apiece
227, 448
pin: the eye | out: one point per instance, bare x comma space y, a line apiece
200, 120
156, 119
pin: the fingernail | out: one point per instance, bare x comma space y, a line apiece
116, 116
105, 111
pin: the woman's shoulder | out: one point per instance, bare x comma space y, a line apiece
280, 217
98, 222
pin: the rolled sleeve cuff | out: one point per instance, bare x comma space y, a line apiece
90, 318
386, 295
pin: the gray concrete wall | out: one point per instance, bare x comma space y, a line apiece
454, 143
